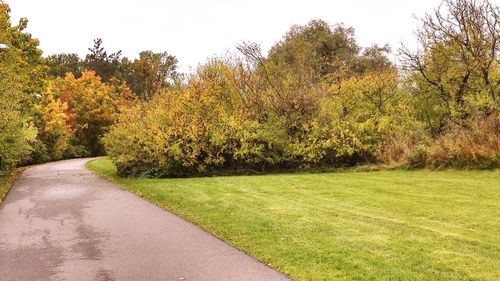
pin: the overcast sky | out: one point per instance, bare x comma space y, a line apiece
194, 30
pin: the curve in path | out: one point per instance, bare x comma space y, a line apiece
62, 222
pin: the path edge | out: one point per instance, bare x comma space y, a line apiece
165, 209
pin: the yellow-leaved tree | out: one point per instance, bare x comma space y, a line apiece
21, 67
55, 132
78, 111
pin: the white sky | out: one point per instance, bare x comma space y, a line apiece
194, 30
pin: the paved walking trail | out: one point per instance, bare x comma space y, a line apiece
61, 222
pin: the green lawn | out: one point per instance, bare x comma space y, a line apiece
388, 225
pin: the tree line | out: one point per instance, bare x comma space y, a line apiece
317, 99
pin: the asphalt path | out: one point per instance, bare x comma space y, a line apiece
62, 222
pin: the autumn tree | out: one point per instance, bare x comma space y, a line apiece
55, 132
155, 72
21, 73
303, 70
149, 74
203, 126
456, 70
92, 106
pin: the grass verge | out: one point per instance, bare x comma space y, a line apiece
7, 178
383, 225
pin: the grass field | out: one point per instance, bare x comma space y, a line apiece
6, 180
388, 225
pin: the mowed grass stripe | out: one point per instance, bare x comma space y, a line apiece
388, 225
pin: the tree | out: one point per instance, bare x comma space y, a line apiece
103, 64
55, 132
320, 51
60, 64
457, 66
92, 106
315, 47
304, 66
150, 74
21, 72
146, 75
155, 71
